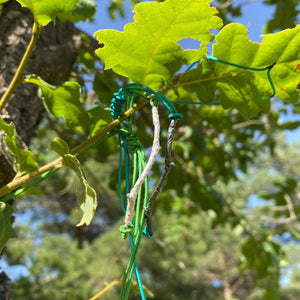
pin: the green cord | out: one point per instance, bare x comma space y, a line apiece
126, 283
268, 69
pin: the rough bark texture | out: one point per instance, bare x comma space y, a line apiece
52, 59
5, 291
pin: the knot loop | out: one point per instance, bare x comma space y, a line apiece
117, 104
125, 230
175, 115
133, 142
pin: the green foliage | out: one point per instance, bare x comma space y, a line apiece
6, 230
24, 160
88, 197
63, 101
85, 9
285, 15
99, 117
263, 256
246, 90
46, 11
147, 51
195, 257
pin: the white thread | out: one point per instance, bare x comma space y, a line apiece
131, 197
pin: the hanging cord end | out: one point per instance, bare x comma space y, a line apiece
148, 232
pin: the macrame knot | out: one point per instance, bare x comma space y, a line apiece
133, 142
126, 229
117, 104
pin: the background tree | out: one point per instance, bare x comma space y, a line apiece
208, 244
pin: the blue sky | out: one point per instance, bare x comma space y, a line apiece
254, 17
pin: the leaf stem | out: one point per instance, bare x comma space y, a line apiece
17, 77
56, 164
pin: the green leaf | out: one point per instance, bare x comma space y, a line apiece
246, 90
147, 51
285, 15
60, 146
85, 9
289, 125
88, 199
106, 84
63, 101
2, 207
263, 256
24, 160
88, 204
6, 230
99, 117
46, 11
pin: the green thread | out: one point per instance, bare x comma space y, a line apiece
133, 142
268, 69
125, 230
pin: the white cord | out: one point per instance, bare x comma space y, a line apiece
131, 197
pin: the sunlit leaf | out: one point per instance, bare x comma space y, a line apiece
88, 204
60, 146
246, 90
85, 9
46, 11
24, 160
88, 197
99, 117
6, 230
147, 51
63, 101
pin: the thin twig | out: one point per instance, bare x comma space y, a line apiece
131, 197
17, 77
248, 123
292, 215
106, 289
57, 163
168, 165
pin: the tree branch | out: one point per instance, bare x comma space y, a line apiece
247, 123
56, 164
168, 165
290, 206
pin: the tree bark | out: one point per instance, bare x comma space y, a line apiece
52, 59
5, 291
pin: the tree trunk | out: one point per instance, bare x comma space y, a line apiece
52, 59
5, 291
